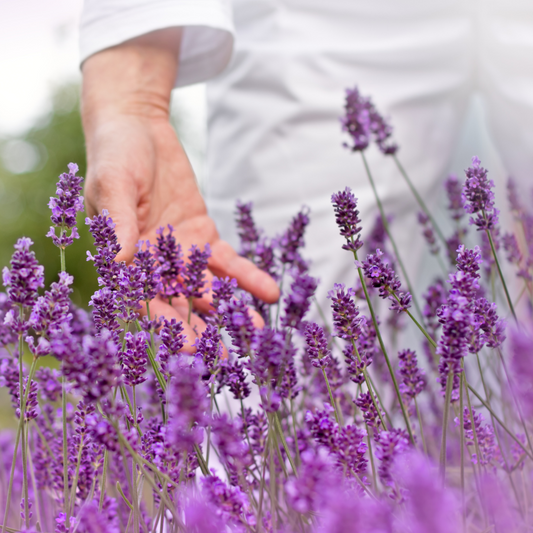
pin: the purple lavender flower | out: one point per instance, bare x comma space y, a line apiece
65, 207
236, 381
146, 262
346, 445
194, 272
522, 365
346, 317
428, 232
363, 122
293, 238
239, 326
356, 120
92, 520
6, 334
25, 277
170, 259
484, 435
347, 218
435, 297
355, 365
298, 300
246, 229
429, 505
49, 383
131, 282
510, 245
102, 229
383, 277
51, 311
201, 517
187, 405
492, 327
455, 197
226, 436
412, 378
172, 341
265, 258
222, 290
479, 198
317, 345
390, 444
208, 348
456, 319
105, 313
231, 503
370, 414
134, 358
452, 243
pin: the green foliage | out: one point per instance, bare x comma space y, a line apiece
57, 139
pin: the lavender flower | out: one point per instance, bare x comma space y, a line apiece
51, 311
346, 445
102, 228
346, 317
370, 414
226, 436
363, 122
455, 197
134, 359
170, 259
483, 433
298, 300
194, 272
317, 346
25, 277
131, 283
390, 444
412, 378
479, 198
293, 238
222, 290
428, 232
430, 506
435, 298
522, 365
239, 326
105, 313
356, 120
187, 405
172, 341
383, 277
236, 381
208, 348
347, 218
65, 207
246, 229
146, 262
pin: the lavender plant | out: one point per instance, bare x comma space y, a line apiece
298, 426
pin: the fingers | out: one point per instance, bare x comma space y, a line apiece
179, 311
225, 262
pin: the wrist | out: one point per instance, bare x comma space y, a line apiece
134, 78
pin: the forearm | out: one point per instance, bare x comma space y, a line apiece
133, 78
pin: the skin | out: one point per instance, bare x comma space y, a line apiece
138, 170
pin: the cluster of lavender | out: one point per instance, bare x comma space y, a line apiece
295, 426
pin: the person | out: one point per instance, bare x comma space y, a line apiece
277, 70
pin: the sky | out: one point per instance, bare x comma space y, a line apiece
38, 50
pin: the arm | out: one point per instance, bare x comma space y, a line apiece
137, 168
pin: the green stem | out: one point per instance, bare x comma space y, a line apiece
284, 443
104, 480
189, 312
371, 455
421, 427
487, 406
76, 475
389, 234
331, 399
293, 419
11, 477
449, 384
419, 199
462, 439
507, 296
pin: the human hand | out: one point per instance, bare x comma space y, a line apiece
138, 170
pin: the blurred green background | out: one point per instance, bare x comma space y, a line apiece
29, 168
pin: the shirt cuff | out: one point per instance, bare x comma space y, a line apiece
207, 40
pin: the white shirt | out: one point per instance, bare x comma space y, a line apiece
274, 135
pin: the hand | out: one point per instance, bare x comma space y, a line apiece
137, 168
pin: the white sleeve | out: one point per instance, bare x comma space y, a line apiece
207, 41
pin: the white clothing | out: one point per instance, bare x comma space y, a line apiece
274, 134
